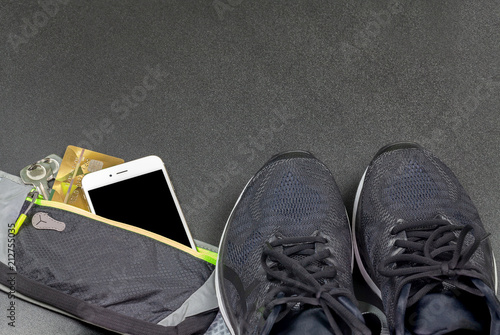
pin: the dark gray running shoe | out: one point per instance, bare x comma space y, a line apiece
285, 257
421, 246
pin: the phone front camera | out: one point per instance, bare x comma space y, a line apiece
110, 175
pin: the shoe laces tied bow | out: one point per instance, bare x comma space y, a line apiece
435, 252
303, 276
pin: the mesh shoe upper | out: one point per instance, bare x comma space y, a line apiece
411, 196
291, 197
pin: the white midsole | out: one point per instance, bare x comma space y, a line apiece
362, 269
217, 274
496, 273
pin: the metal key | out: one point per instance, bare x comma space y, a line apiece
54, 162
41, 172
37, 174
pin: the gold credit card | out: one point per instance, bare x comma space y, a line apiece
76, 163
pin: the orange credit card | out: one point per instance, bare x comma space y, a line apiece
76, 163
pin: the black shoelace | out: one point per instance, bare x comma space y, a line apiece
304, 278
435, 253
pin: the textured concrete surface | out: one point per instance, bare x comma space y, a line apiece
216, 87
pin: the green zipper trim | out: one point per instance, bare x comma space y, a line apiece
204, 254
208, 255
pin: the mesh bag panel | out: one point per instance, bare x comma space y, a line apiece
110, 267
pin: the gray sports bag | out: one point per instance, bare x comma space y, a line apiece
106, 273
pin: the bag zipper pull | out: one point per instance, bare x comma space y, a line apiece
22, 217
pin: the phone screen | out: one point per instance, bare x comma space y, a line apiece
144, 201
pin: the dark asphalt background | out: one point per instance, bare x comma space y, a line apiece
215, 88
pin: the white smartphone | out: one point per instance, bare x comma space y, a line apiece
138, 193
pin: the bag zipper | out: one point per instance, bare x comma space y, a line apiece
204, 254
22, 217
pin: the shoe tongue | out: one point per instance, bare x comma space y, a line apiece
441, 313
351, 307
313, 321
